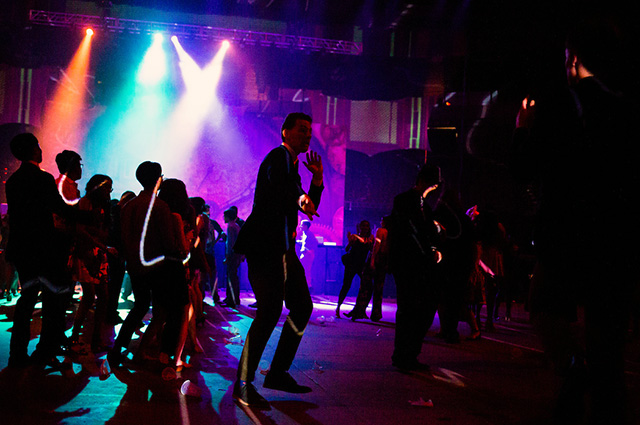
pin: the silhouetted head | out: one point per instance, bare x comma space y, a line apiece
174, 193
25, 147
230, 215
296, 131
98, 189
70, 164
148, 174
429, 175
126, 197
198, 204
594, 45
384, 221
364, 228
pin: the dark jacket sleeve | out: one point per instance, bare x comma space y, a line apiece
275, 209
315, 193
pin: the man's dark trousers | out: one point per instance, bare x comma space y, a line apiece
274, 279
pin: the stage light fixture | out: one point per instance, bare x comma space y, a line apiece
89, 32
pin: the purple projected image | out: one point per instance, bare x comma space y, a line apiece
331, 143
225, 164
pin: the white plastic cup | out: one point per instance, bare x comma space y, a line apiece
190, 389
105, 368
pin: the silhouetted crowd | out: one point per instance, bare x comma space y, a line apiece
159, 243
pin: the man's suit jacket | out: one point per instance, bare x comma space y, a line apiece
412, 234
270, 228
34, 245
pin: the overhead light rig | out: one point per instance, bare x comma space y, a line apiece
251, 38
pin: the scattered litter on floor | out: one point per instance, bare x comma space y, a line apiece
105, 369
235, 340
421, 402
317, 367
379, 332
190, 389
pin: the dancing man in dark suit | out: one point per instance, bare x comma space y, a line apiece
412, 241
267, 239
37, 252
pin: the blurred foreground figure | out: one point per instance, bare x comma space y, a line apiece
580, 144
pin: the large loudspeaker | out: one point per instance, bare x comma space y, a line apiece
443, 141
8, 164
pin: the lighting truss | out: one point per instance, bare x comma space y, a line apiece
252, 38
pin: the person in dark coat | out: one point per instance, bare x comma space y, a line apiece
267, 239
33, 198
459, 253
413, 239
580, 143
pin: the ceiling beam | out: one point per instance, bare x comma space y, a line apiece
119, 25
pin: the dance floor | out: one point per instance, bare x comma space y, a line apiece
503, 378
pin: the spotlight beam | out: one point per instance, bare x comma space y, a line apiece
191, 72
188, 118
154, 64
62, 117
